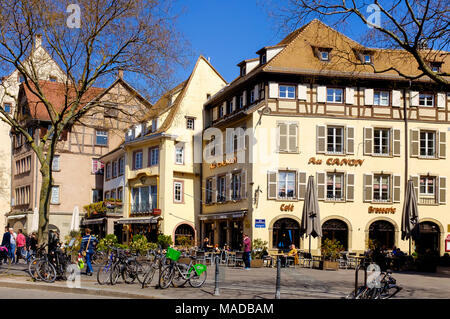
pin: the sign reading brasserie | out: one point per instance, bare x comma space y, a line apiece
337, 161
384, 210
223, 163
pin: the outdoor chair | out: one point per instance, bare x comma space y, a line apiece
268, 261
307, 260
239, 259
224, 255
200, 256
209, 257
343, 262
231, 259
351, 260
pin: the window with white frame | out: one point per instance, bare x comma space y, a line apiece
252, 96
427, 144
324, 55
220, 111
381, 98
241, 101
154, 125
138, 160
55, 163
381, 141
121, 166
108, 171
367, 58
286, 185
179, 154
114, 169
236, 186
381, 188
178, 192
120, 193
427, 186
335, 186
101, 137
113, 194
286, 92
335, 95
426, 99
230, 107
221, 189
7, 107
335, 139
190, 123
153, 156
209, 190
55, 195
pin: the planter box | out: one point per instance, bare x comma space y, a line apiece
330, 265
256, 263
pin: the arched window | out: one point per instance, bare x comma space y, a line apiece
286, 231
184, 230
382, 234
429, 238
335, 229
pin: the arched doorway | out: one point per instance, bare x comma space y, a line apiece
382, 233
184, 230
335, 229
286, 231
429, 238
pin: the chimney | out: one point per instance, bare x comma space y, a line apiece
120, 74
37, 40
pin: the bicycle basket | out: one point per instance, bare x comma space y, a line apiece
173, 254
199, 269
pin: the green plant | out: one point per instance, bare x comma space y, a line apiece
92, 208
331, 248
164, 241
184, 241
140, 244
259, 248
109, 241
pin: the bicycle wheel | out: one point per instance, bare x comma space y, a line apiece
149, 276
32, 269
195, 280
167, 274
5, 265
99, 258
115, 273
104, 273
46, 271
129, 274
142, 269
178, 279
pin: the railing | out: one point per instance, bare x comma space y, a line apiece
427, 200
142, 208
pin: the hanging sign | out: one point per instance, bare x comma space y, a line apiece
260, 223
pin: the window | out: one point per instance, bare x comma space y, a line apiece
144, 199
52, 78
252, 96
324, 56
230, 107
153, 156
154, 125
335, 186
335, 138
367, 58
220, 189
287, 140
7, 107
21, 78
381, 98
262, 91
114, 169
286, 185
426, 99
236, 186
427, 144
243, 70
190, 123
107, 195
55, 163
287, 92
108, 171
381, 188
335, 95
121, 166
178, 192
435, 66
213, 145
381, 141
113, 194
137, 160
179, 154
101, 137
220, 111
241, 101
263, 58
427, 185
209, 190
97, 195
120, 193
55, 195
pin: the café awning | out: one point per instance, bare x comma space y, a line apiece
94, 221
237, 214
139, 220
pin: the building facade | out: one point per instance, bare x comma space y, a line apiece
302, 110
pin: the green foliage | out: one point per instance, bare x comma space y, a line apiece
164, 241
140, 244
153, 246
94, 208
259, 248
184, 241
109, 241
331, 248
76, 245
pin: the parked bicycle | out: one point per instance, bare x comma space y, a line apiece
157, 261
55, 265
128, 267
33, 260
388, 288
104, 272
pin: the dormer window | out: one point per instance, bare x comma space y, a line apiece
21, 78
52, 79
263, 58
243, 70
435, 66
324, 55
367, 58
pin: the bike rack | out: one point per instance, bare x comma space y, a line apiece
361, 265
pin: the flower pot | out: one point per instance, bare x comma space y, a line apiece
256, 263
330, 265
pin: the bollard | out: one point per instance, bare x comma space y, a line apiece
277, 293
216, 287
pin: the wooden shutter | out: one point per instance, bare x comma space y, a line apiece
302, 89
283, 137
396, 141
368, 187
205, 191
273, 90
396, 97
442, 144
214, 189
272, 185
368, 140
350, 183
292, 139
441, 100
301, 178
320, 138
414, 142
228, 191
396, 188
244, 184
349, 96
244, 97
442, 190
235, 107
321, 185
321, 94
368, 96
350, 149
256, 92
229, 141
414, 97
415, 179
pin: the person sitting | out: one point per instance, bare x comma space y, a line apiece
293, 254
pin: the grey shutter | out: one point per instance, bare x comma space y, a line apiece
368, 187
272, 185
320, 138
368, 96
301, 178
228, 191
442, 144
442, 190
205, 191
293, 140
396, 141
350, 140
283, 137
214, 190
415, 180
396, 188
244, 184
368, 140
414, 142
321, 180
350, 183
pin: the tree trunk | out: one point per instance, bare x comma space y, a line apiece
44, 204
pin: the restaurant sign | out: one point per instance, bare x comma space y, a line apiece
337, 161
383, 210
287, 207
223, 163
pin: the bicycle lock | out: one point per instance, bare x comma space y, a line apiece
216, 286
277, 292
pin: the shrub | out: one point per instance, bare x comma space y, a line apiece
109, 241
184, 241
331, 248
140, 244
259, 248
164, 241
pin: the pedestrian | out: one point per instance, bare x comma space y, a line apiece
87, 249
247, 251
6, 242
21, 243
32, 244
12, 240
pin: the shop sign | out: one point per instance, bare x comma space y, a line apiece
260, 223
337, 161
156, 211
382, 210
223, 163
287, 207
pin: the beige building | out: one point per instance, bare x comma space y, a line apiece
162, 172
300, 110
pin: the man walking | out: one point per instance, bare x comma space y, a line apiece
6, 242
87, 245
12, 241
21, 242
247, 250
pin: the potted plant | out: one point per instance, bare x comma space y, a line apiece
330, 251
259, 250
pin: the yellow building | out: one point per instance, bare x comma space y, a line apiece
302, 109
162, 177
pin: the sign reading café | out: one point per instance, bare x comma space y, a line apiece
337, 161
